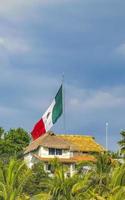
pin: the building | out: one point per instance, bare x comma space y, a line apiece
69, 149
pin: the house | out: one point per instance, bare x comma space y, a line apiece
69, 149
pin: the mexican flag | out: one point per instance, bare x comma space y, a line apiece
50, 116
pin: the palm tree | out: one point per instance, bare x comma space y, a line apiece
117, 184
102, 172
109, 181
12, 180
122, 142
104, 181
97, 179
61, 187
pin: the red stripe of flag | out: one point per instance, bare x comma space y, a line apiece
38, 130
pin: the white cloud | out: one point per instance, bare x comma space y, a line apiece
89, 101
8, 6
14, 45
15, 8
120, 50
97, 101
84, 108
39, 90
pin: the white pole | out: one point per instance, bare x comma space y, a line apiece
106, 138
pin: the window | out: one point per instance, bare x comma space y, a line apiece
53, 151
58, 151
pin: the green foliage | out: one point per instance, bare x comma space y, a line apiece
34, 184
122, 142
59, 187
2, 132
13, 143
18, 136
105, 179
12, 179
114, 155
102, 170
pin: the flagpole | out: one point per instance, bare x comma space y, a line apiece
63, 95
106, 135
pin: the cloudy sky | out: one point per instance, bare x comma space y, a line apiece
84, 39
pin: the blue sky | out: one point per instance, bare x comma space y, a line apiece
42, 39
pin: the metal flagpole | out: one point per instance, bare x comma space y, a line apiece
63, 96
106, 136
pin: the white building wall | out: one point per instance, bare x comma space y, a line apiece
72, 169
28, 158
44, 152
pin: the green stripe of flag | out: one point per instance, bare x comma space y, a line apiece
58, 107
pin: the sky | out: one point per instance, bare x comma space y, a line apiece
40, 40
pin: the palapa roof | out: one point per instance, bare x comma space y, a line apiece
72, 142
74, 159
49, 140
83, 143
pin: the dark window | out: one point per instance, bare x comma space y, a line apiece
51, 151
48, 167
58, 151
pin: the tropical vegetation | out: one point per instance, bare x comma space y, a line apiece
104, 179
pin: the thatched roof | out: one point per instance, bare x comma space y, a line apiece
48, 140
74, 159
72, 142
83, 143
